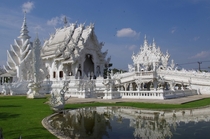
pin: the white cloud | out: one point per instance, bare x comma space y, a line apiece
127, 32
53, 22
173, 30
27, 7
37, 28
202, 54
196, 38
57, 20
132, 47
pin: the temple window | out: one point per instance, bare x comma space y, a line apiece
54, 74
61, 74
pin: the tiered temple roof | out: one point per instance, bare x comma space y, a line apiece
68, 42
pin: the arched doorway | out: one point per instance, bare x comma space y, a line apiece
88, 65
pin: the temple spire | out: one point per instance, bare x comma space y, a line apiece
145, 41
65, 21
24, 30
153, 43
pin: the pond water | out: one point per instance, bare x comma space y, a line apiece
130, 123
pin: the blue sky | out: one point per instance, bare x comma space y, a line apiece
180, 26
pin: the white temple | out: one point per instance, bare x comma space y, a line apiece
73, 55
74, 51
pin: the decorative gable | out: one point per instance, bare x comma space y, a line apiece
150, 57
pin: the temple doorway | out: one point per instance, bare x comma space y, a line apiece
79, 71
89, 65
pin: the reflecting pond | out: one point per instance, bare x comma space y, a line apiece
128, 123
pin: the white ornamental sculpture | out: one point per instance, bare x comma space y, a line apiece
19, 57
58, 98
150, 57
38, 74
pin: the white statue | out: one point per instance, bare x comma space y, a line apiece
57, 100
35, 84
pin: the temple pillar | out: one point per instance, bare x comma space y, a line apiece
155, 84
51, 74
121, 88
166, 86
131, 87
58, 72
172, 85
143, 86
139, 86
182, 86
65, 71
75, 68
64, 75
154, 66
118, 88
125, 85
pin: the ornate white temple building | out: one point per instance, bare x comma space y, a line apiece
73, 55
74, 51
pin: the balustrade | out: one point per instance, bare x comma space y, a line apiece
160, 94
145, 73
142, 94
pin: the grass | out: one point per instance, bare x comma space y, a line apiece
21, 116
194, 104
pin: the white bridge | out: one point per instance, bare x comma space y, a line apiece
159, 84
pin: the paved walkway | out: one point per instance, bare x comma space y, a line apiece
181, 100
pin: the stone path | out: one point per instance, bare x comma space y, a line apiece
181, 100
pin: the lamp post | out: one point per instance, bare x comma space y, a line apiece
199, 65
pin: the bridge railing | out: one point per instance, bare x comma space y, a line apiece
145, 73
186, 73
142, 94
159, 94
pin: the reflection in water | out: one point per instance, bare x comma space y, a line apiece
117, 122
82, 123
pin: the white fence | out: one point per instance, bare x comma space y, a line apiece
98, 92
160, 94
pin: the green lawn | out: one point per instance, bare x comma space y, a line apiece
21, 116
